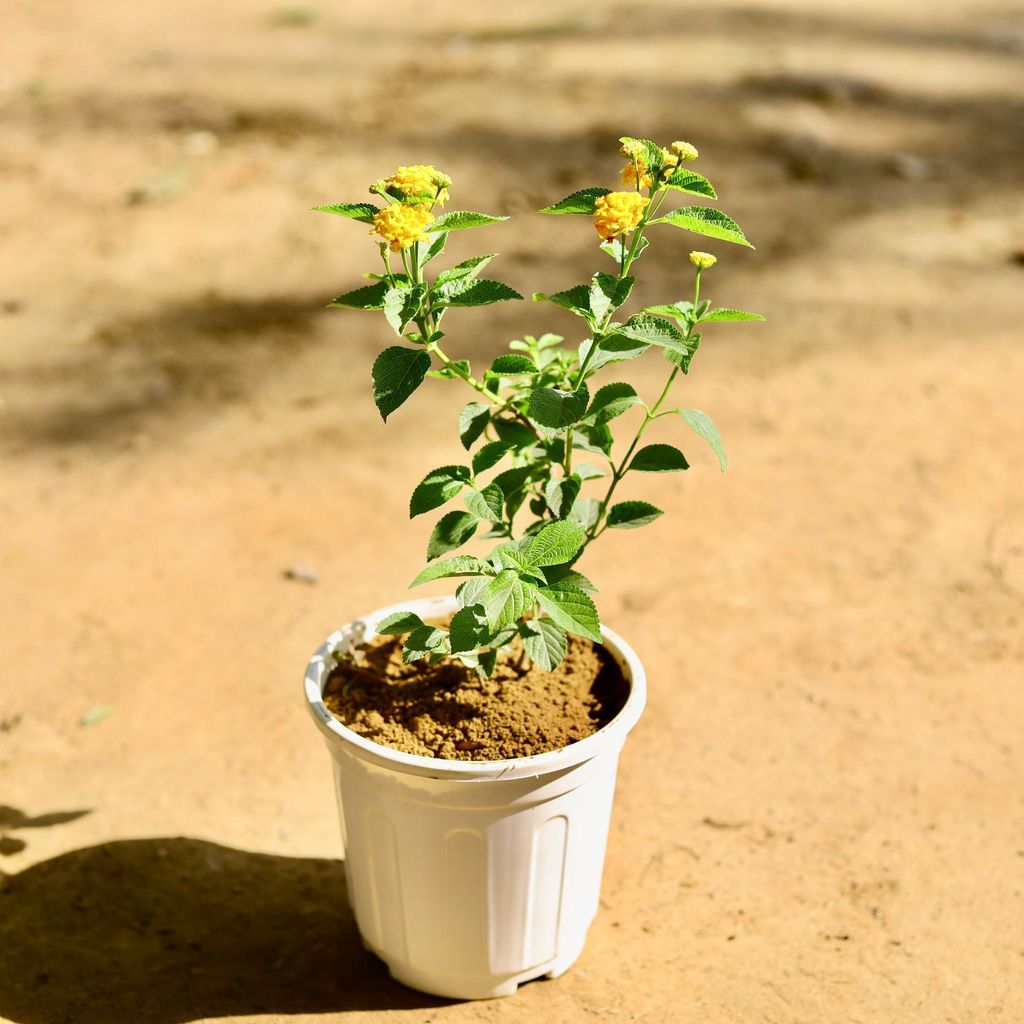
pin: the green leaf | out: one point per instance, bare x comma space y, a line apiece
725, 316
505, 598
575, 299
399, 622
472, 422
354, 211
513, 480
397, 373
487, 503
468, 291
560, 494
435, 248
612, 400
467, 630
556, 544
593, 437
515, 555
613, 348
707, 221
490, 455
451, 532
682, 356
659, 458
702, 424
586, 512
450, 370
369, 297
689, 181
467, 268
514, 432
437, 487
628, 515
571, 608
544, 642
608, 293
617, 247
653, 155
512, 366
457, 565
400, 305
587, 472
468, 592
651, 330
557, 409
578, 202
422, 641
457, 220
565, 574
682, 311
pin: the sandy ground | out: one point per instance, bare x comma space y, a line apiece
820, 817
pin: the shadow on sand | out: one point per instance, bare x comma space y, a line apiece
163, 931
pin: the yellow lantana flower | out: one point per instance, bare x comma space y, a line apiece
703, 260
420, 180
401, 226
628, 175
684, 150
618, 213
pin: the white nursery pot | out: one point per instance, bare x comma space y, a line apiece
468, 878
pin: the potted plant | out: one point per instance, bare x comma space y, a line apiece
475, 760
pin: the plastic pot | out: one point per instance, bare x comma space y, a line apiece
468, 878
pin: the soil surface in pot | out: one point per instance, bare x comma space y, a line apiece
448, 711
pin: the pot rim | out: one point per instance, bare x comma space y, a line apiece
611, 734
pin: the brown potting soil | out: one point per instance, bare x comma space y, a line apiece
448, 711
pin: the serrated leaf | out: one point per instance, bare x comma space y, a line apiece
555, 544
400, 305
435, 248
682, 311
467, 268
570, 608
587, 472
707, 221
515, 433
683, 355
560, 494
467, 629
585, 511
578, 202
575, 299
354, 211
399, 622
422, 641
689, 181
369, 297
397, 373
472, 422
593, 437
612, 400
513, 480
512, 365
565, 574
514, 555
702, 424
628, 515
545, 643
458, 220
729, 316
489, 455
608, 293
486, 503
437, 487
556, 409
452, 531
468, 291
505, 598
659, 458
467, 593
613, 348
652, 330
457, 565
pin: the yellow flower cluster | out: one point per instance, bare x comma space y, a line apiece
628, 175
702, 260
420, 180
401, 226
618, 213
684, 150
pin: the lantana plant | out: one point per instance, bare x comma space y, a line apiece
537, 408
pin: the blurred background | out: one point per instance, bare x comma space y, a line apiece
820, 817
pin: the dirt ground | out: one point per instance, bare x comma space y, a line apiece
821, 817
